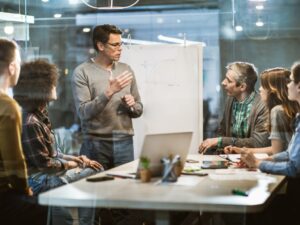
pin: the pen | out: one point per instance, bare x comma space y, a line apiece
239, 192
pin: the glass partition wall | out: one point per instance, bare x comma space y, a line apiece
263, 32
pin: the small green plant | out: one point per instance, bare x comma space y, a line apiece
145, 162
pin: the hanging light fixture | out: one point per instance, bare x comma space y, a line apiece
9, 28
259, 23
110, 6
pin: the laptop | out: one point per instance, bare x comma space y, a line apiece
157, 146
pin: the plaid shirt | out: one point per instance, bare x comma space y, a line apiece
240, 114
38, 144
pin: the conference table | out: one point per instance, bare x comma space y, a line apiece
211, 193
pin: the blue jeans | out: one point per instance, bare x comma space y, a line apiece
43, 182
109, 153
60, 215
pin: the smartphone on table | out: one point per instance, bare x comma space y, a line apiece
99, 179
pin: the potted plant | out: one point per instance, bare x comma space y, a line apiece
145, 172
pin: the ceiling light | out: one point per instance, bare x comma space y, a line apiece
259, 23
259, 7
159, 20
9, 29
57, 15
73, 2
45, 0
86, 29
238, 28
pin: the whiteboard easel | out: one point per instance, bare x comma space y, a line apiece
169, 79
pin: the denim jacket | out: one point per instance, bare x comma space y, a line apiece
287, 162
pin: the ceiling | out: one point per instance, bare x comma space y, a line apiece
280, 16
64, 5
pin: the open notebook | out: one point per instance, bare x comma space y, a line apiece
157, 146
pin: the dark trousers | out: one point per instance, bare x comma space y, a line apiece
109, 153
16, 209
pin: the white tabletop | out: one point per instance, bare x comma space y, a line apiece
191, 193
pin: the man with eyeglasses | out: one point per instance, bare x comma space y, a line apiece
245, 118
106, 99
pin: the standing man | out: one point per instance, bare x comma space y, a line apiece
245, 118
106, 98
17, 206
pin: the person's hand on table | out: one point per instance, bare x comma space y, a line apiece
91, 163
249, 158
74, 158
232, 150
77, 159
208, 143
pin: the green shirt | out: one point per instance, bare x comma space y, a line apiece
240, 114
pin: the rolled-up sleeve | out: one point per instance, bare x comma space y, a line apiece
290, 167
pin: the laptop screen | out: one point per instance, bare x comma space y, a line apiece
158, 146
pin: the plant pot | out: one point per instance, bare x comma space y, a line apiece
145, 175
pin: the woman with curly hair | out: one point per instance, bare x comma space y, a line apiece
282, 111
48, 167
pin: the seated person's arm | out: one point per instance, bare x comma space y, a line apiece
38, 149
81, 161
276, 147
208, 143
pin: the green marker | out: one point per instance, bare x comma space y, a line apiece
239, 192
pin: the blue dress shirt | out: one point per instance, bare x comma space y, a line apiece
287, 162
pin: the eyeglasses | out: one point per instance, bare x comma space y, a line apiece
116, 45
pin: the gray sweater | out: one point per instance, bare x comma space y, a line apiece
257, 135
103, 118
